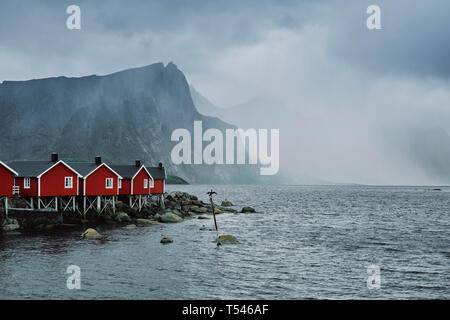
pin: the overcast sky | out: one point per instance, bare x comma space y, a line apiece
315, 58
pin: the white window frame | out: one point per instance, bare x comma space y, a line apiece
112, 183
152, 183
66, 185
26, 183
120, 183
145, 183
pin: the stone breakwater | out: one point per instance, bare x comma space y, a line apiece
178, 206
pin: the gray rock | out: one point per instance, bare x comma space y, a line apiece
11, 227
165, 240
146, 221
226, 203
11, 221
247, 209
91, 234
168, 217
122, 217
199, 210
198, 203
226, 238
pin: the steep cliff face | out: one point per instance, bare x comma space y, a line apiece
122, 116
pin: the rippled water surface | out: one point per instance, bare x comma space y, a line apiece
304, 242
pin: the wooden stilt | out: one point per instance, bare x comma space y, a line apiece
6, 206
161, 198
114, 204
84, 207
99, 204
56, 203
74, 204
39, 203
32, 203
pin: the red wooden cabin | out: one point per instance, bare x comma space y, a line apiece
52, 178
159, 179
98, 179
7, 176
136, 180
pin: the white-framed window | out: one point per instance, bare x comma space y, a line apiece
109, 183
68, 182
152, 183
26, 183
145, 183
120, 183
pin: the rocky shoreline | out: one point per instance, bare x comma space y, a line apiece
178, 207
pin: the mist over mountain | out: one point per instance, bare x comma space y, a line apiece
397, 146
122, 116
257, 114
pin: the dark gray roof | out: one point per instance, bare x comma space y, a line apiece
30, 169
83, 168
157, 173
126, 171
33, 168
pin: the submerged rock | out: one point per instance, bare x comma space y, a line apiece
226, 238
247, 209
130, 226
146, 221
202, 217
166, 240
91, 234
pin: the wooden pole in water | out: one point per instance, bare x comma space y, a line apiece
6, 207
211, 193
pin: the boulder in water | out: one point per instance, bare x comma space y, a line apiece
91, 234
247, 209
169, 217
165, 240
226, 203
226, 238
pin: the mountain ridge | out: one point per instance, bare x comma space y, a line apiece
122, 116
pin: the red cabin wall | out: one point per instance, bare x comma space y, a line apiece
126, 187
53, 182
80, 186
96, 183
6, 182
158, 187
32, 191
138, 183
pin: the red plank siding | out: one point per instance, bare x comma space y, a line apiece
6, 182
158, 187
126, 187
138, 183
53, 182
32, 191
95, 184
